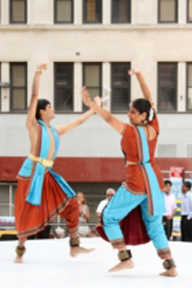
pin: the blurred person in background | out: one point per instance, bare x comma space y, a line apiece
83, 230
171, 208
186, 212
110, 192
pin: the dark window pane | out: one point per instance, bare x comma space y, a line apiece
167, 86
64, 87
18, 11
120, 87
18, 76
63, 11
168, 11
189, 11
18, 99
189, 86
121, 11
0, 87
63, 99
120, 100
92, 75
92, 11
18, 87
92, 79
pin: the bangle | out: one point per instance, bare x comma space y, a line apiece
39, 71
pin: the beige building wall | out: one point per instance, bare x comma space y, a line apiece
143, 43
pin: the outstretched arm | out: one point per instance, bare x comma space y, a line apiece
71, 125
142, 83
31, 120
106, 115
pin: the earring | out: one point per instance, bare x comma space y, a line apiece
144, 121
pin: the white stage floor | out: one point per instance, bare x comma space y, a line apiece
48, 264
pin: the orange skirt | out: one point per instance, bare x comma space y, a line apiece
31, 219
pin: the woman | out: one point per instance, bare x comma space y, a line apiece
144, 181
83, 230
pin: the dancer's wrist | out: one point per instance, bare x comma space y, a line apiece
38, 71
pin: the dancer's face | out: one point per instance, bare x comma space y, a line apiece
48, 114
135, 117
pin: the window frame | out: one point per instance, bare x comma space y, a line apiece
84, 108
84, 14
55, 88
11, 13
175, 13
112, 88
176, 85
55, 14
11, 87
130, 14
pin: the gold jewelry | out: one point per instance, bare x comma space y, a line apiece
39, 71
20, 250
45, 162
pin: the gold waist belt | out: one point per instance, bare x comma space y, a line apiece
45, 162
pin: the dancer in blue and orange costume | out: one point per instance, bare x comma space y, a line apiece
42, 194
144, 182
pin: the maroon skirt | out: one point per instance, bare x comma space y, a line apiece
132, 227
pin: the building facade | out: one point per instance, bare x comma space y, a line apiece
94, 43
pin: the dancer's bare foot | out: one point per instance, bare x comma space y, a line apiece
20, 251
18, 259
127, 264
75, 251
172, 272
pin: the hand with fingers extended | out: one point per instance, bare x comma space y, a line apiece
85, 96
98, 100
41, 67
133, 72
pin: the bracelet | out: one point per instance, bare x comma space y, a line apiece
39, 71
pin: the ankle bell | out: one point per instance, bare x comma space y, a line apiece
74, 242
20, 250
124, 255
169, 263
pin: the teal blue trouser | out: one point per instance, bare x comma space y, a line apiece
120, 205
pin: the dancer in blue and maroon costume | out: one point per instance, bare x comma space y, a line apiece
144, 181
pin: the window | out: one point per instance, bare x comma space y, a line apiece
92, 11
121, 11
7, 196
189, 10
167, 87
189, 86
189, 150
18, 11
64, 87
18, 86
120, 83
167, 150
92, 79
63, 11
168, 11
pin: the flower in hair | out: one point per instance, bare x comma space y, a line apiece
151, 114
